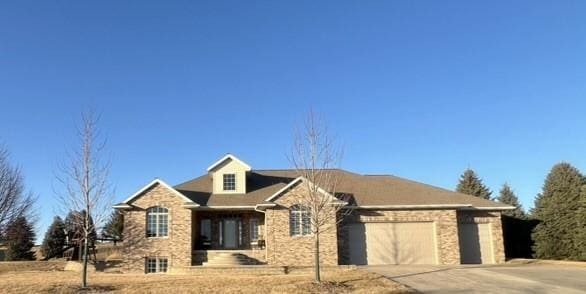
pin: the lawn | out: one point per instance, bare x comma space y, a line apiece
337, 281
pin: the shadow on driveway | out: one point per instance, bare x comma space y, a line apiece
518, 278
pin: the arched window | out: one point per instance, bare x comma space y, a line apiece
300, 221
157, 222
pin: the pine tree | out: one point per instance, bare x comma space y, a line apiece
114, 227
20, 238
581, 234
74, 228
471, 184
54, 241
507, 196
556, 207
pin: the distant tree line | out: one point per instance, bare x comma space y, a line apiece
556, 226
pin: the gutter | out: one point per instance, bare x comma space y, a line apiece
216, 207
416, 206
490, 208
433, 206
121, 206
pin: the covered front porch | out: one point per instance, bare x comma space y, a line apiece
228, 236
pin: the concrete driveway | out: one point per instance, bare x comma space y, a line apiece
520, 278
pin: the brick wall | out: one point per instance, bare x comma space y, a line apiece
284, 249
176, 246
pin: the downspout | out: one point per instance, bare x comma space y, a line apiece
266, 235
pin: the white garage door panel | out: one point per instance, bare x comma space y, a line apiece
393, 243
476, 243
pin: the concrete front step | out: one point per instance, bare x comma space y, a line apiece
257, 256
229, 259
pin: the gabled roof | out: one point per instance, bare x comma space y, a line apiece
229, 156
366, 191
125, 203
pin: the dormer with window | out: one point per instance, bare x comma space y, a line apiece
229, 175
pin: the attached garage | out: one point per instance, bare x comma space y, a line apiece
475, 243
392, 243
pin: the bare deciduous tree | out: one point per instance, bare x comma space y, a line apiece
86, 190
316, 158
14, 201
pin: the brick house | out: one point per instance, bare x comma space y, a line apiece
237, 215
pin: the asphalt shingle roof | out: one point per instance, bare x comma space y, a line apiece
366, 190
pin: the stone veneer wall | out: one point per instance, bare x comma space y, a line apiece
284, 249
445, 223
496, 228
176, 246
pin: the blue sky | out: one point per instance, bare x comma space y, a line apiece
418, 89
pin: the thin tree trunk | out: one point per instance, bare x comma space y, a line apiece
316, 256
86, 220
84, 271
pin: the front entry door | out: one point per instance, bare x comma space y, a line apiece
230, 227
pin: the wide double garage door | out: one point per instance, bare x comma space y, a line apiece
392, 243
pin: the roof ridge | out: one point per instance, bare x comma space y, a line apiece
293, 169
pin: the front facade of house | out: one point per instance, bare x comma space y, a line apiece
254, 213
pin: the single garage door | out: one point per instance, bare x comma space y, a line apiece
475, 243
392, 243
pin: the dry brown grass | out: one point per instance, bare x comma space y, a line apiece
12, 266
337, 281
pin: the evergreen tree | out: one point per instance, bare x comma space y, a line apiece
581, 235
507, 196
557, 210
54, 241
20, 238
114, 227
471, 184
74, 227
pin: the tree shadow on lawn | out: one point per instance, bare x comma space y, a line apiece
77, 289
346, 282
436, 271
312, 287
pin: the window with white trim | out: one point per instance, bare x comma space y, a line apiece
229, 182
156, 265
253, 229
157, 222
300, 221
